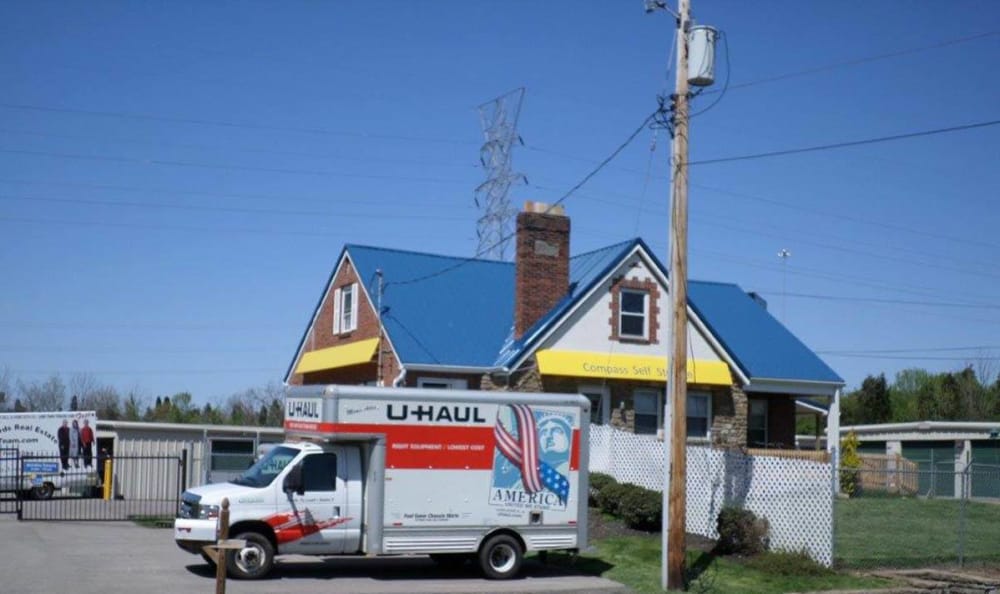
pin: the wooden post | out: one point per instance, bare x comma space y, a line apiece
220, 559
678, 300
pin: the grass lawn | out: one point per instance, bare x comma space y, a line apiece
910, 532
635, 562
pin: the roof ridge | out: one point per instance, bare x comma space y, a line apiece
350, 246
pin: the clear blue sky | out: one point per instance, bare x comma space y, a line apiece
177, 179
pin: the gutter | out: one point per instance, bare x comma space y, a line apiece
400, 378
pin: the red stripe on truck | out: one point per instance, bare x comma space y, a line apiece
460, 447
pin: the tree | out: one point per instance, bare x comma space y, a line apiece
873, 400
49, 395
74, 403
5, 388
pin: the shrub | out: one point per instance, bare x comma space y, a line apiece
642, 509
788, 563
741, 532
609, 499
598, 482
850, 465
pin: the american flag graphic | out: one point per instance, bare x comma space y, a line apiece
523, 452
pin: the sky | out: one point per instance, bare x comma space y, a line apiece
177, 179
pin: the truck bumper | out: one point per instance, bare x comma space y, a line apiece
191, 535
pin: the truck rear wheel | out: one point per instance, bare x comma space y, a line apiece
253, 561
500, 557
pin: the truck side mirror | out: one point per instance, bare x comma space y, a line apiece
293, 481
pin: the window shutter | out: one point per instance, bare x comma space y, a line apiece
354, 307
336, 311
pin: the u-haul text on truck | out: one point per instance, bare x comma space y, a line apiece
456, 474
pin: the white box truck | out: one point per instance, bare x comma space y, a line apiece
458, 475
44, 453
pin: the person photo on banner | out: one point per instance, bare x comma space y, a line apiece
74, 444
87, 443
63, 436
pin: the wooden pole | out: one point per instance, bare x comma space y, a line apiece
220, 560
678, 304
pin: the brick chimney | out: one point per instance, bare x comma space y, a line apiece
541, 263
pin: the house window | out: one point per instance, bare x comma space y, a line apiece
757, 424
647, 411
699, 414
345, 309
600, 405
442, 383
632, 314
232, 454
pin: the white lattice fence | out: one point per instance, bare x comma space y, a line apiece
795, 496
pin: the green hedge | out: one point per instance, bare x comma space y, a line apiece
638, 507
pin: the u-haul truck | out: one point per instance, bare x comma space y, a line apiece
455, 474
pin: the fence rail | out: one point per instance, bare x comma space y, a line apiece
45, 487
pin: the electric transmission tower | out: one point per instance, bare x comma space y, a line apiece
499, 121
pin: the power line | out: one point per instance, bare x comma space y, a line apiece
887, 301
570, 192
839, 145
217, 147
172, 163
227, 124
859, 61
229, 209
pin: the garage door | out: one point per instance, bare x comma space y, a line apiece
936, 461
986, 468
871, 447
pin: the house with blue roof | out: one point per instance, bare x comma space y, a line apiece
595, 323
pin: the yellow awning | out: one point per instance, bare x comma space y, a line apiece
354, 353
631, 367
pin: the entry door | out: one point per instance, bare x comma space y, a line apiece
321, 513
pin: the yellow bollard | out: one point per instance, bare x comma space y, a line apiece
107, 479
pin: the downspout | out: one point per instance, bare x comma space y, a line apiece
399, 378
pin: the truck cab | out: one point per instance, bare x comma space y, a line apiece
301, 498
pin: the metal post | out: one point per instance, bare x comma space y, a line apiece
184, 470
961, 518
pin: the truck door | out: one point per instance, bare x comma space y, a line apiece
320, 514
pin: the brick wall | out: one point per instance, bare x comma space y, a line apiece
321, 336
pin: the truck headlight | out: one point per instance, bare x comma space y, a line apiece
208, 511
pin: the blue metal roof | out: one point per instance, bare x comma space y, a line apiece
761, 346
585, 270
457, 312
442, 310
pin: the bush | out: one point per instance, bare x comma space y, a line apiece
850, 466
598, 482
642, 509
787, 563
610, 498
741, 532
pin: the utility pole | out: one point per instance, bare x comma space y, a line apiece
677, 379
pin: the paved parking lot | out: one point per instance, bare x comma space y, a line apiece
111, 557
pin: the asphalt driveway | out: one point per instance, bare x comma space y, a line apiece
110, 557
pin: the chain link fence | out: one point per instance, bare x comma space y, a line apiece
917, 513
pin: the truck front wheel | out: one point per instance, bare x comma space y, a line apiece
253, 561
43, 491
500, 557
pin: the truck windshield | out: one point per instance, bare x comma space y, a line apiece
263, 472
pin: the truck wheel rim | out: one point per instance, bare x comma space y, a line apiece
502, 558
250, 558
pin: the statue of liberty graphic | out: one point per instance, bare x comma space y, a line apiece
531, 456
